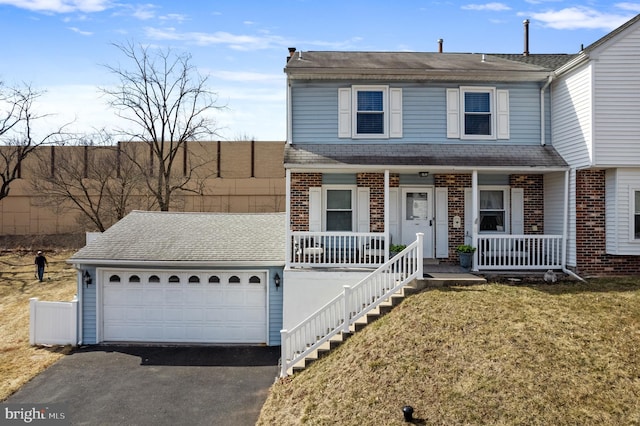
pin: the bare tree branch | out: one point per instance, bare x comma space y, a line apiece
167, 103
17, 119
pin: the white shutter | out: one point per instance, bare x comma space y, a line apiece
363, 209
395, 113
344, 112
517, 211
453, 113
394, 226
315, 209
468, 216
502, 113
442, 223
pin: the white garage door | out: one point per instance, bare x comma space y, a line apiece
196, 307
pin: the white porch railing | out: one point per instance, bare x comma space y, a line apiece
519, 252
53, 323
352, 304
338, 249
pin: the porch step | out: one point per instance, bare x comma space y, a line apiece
443, 279
383, 308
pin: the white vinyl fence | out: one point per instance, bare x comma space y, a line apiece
53, 323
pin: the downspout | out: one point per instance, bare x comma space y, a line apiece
542, 120
289, 120
565, 229
79, 280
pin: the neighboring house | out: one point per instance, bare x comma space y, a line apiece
596, 128
183, 277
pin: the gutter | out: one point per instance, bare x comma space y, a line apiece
173, 264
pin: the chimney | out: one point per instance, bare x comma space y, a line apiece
440, 41
292, 50
526, 37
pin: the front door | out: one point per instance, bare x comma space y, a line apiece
417, 216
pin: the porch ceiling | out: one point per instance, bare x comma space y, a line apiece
434, 156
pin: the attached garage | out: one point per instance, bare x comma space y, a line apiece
159, 277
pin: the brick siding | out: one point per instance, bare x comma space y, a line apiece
591, 255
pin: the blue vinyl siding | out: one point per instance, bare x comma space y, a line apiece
89, 323
315, 113
275, 306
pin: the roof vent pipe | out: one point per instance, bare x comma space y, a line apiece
526, 37
440, 41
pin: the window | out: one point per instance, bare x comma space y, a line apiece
214, 279
154, 279
174, 279
134, 279
478, 113
193, 279
370, 112
254, 280
234, 279
114, 279
339, 211
492, 210
636, 216
373, 112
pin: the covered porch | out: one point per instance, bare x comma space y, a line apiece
513, 209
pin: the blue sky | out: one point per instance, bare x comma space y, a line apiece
60, 46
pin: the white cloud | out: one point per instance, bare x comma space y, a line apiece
572, 18
494, 7
60, 6
245, 76
633, 7
79, 31
233, 41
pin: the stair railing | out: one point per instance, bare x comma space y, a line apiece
353, 303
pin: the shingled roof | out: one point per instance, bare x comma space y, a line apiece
435, 155
192, 238
422, 65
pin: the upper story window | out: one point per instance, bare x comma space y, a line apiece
477, 113
370, 112
478, 116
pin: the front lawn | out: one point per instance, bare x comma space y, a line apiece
562, 354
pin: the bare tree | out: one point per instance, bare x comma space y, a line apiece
91, 178
17, 118
167, 103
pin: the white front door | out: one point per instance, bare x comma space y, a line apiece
417, 216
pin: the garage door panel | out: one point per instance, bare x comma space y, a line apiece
204, 311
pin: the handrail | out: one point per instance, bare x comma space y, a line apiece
337, 249
346, 308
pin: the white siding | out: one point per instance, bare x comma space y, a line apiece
619, 186
572, 123
616, 107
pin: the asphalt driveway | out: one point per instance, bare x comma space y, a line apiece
144, 385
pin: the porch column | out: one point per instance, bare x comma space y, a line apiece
287, 219
386, 216
474, 217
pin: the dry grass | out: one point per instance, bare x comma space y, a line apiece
495, 354
19, 361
